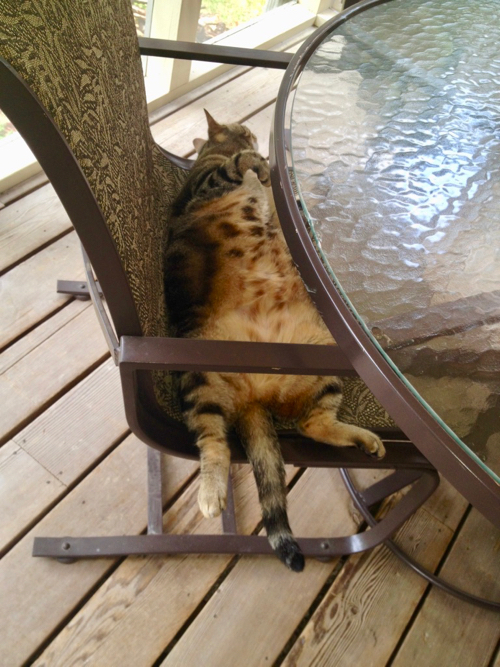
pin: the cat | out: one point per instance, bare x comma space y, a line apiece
229, 276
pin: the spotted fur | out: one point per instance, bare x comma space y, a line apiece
229, 276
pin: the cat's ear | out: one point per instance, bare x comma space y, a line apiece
198, 144
213, 125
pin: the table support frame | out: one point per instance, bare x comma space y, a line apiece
458, 464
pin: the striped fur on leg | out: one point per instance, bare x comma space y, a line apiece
206, 418
263, 450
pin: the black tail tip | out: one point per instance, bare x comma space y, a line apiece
297, 562
289, 553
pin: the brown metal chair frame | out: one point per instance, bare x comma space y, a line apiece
136, 356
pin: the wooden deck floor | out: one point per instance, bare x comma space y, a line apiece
69, 465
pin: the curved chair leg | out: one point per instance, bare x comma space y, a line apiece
155, 496
363, 500
228, 515
426, 483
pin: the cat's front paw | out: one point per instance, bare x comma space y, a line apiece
258, 164
263, 172
212, 496
369, 443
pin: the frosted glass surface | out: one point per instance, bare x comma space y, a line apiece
395, 142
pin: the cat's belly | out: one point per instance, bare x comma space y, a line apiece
285, 395
293, 323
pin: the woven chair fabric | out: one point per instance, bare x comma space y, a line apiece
81, 58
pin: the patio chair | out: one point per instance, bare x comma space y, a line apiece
71, 81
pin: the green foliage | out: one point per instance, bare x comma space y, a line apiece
233, 12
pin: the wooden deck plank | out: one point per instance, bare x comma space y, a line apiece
57, 448
260, 124
357, 615
235, 103
52, 366
152, 599
448, 631
448, 506
79, 428
151, 602
27, 489
37, 593
29, 290
30, 223
257, 607
13, 354
23, 189
370, 603
145, 602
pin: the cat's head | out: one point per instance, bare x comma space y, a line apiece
226, 139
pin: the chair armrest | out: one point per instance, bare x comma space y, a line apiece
190, 354
167, 48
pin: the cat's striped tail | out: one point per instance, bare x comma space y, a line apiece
261, 444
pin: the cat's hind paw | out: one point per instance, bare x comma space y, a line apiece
370, 444
212, 497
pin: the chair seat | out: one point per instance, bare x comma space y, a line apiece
359, 406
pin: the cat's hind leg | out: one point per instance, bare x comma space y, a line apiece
261, 444
214, 470
262, 194
206, 418
321, 423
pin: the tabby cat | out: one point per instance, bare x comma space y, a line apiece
229, 276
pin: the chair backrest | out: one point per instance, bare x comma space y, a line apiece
73, 85
80, 60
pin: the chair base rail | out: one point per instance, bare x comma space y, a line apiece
360, 502
68, 549
77, 288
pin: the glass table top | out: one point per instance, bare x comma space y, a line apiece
395, 145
